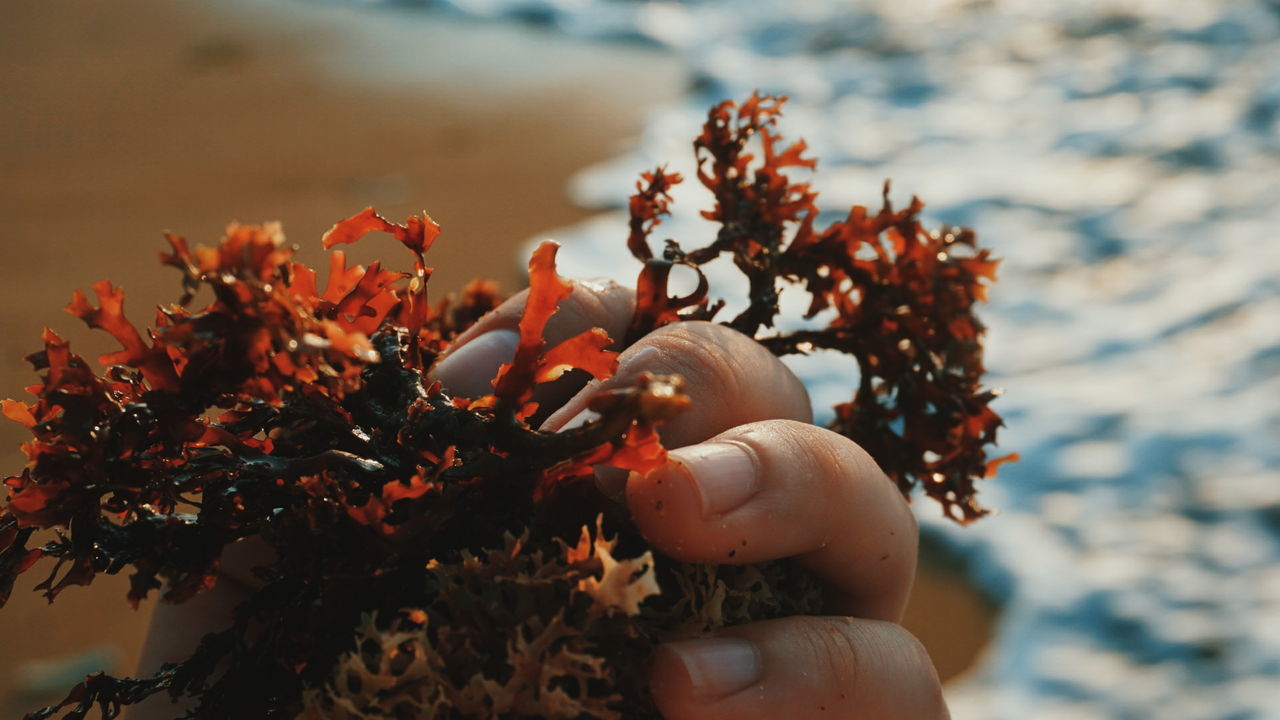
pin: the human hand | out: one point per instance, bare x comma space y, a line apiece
749, 479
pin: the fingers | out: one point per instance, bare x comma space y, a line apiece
730, 378
474, 358
779, 489
799, 667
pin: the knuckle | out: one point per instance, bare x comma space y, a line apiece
717, 338
738, 367
910, 524
913, 660
856, 653
909, 646
809, 450
690, 350
847, 459
833, 648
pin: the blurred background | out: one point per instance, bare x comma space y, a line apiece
1123, 156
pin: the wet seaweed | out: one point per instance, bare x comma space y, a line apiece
480, 571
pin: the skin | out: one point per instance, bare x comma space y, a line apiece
749, 479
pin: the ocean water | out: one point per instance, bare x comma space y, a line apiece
1123, 157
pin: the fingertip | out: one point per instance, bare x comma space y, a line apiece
468, 371
594, 302
663, 504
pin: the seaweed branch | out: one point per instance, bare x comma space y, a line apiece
477, 569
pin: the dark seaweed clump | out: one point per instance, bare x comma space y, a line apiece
480, 572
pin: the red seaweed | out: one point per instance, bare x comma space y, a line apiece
475, 565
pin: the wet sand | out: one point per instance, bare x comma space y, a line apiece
132, 118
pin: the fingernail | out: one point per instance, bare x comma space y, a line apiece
719, 666
724, 474
469, 370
